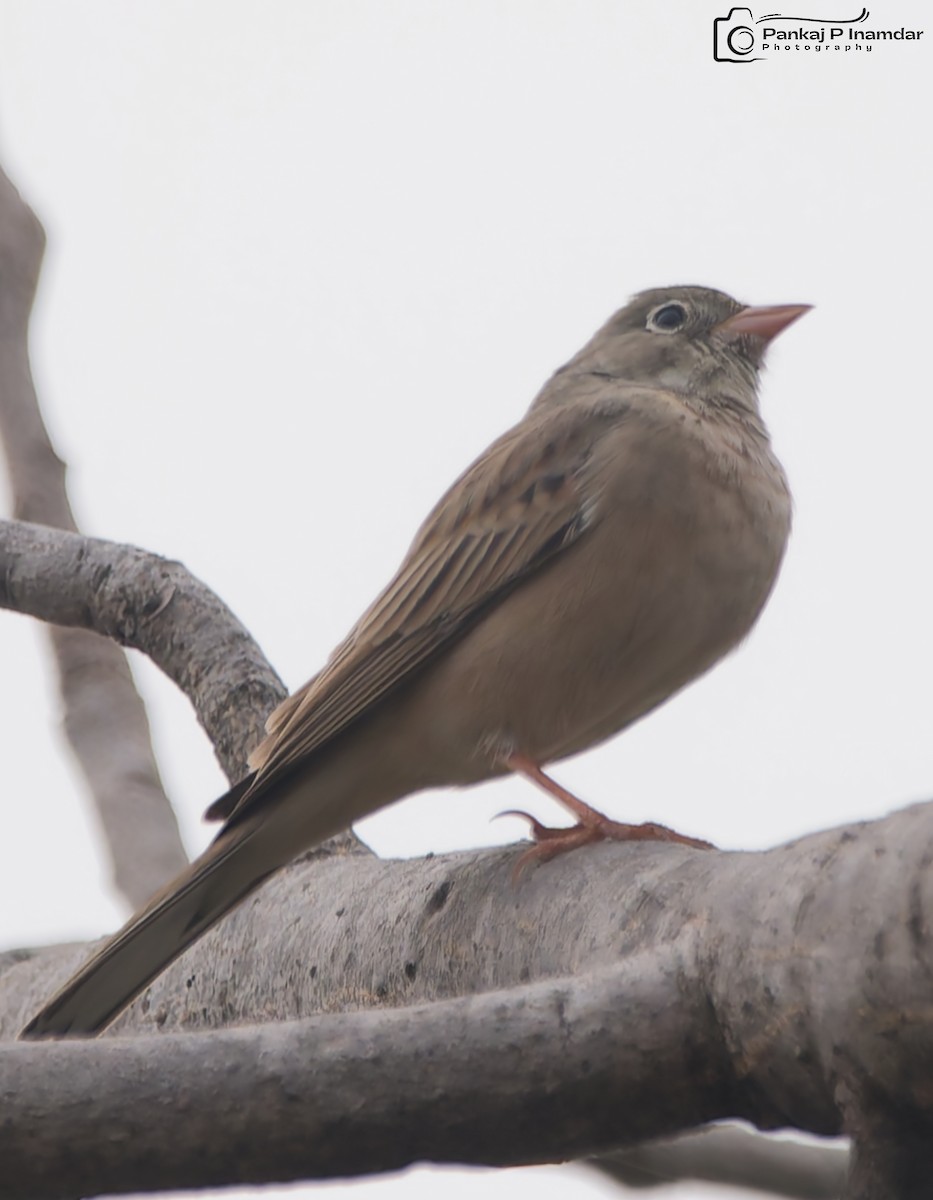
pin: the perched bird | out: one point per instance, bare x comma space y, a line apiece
603, 553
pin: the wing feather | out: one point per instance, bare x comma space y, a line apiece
520, 503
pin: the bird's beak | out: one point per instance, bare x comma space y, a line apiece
765, 323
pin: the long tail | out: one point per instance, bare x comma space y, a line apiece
237, 862
242, 856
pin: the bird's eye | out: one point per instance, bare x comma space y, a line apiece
668, 318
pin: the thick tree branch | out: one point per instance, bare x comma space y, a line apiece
104, 717
789, 988
487, 1079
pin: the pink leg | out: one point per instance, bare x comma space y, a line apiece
592, 825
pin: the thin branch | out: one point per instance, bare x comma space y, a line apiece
104, 717
157, 607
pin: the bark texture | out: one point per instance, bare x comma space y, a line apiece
615, 995
151, 604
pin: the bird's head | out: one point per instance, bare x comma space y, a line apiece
696, 341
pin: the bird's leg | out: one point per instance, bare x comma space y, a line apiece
591, 826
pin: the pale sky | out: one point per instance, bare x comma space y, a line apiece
307, 259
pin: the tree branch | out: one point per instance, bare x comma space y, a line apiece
789, 988
141, 600
104, 717
487, 1079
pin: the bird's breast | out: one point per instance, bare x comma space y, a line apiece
682, 551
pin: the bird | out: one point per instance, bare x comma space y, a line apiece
599, 556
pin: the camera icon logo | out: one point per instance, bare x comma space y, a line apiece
734, 37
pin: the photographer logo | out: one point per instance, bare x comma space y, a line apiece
739, 37
734, 37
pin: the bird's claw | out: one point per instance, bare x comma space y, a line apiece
549, 842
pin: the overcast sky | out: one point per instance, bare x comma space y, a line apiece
306, 259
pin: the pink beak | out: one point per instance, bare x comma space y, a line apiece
765, 323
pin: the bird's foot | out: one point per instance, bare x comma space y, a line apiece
549, 842
591, 826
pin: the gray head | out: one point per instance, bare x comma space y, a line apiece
692, 340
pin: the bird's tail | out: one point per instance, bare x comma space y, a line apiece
150, 940
244, 854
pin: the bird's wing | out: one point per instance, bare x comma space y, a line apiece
524, 500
